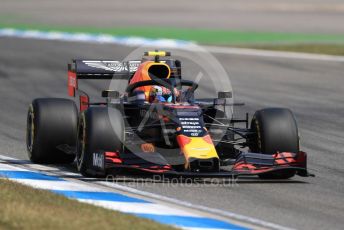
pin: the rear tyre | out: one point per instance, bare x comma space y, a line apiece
100, 129
276, 131
51, 130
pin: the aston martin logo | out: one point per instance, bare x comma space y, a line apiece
114, 66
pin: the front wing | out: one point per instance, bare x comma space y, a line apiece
246, 164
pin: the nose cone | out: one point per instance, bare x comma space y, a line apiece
197, 147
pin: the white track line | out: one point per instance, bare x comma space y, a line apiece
58, 185
274, 54
155, 209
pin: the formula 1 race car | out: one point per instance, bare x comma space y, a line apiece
158, 126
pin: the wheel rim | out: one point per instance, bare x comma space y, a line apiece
30, 130
81, 143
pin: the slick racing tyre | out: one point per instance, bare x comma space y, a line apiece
51, 130
276, 131
100, 129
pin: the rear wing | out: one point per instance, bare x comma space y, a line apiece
98, 69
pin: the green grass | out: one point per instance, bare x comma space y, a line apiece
22, 207
313, 43
204, 36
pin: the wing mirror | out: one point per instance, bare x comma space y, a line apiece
224, 94
110, 94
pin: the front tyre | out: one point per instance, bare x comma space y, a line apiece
100, 129
275, 131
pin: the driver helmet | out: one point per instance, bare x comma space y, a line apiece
160, 94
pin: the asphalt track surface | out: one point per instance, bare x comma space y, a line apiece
302, 16
312, 89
